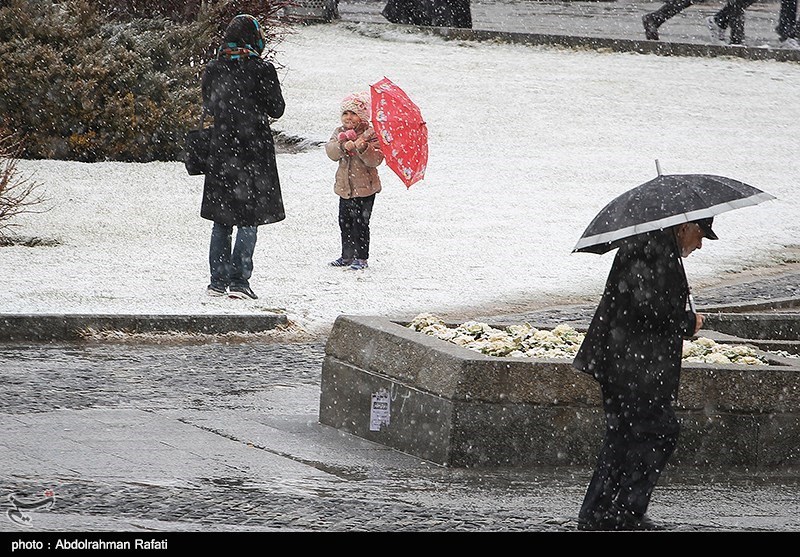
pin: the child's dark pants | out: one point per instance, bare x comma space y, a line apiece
354, 215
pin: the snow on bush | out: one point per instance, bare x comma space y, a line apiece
563, 341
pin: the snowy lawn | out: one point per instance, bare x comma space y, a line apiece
526, 145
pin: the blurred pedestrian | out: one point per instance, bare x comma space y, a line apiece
451, 13
788, 25
355, 147
241, 91
733, 18
408, 12
436, 13
730, 16
653, 20
633, 347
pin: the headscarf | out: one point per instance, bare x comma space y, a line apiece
243, 38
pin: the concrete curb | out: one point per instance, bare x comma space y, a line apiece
774, 304
60, 327
459, 408
49, 327
618, 45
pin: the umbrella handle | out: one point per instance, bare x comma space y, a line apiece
658, 167
683, 269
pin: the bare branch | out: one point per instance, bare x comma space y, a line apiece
18, 195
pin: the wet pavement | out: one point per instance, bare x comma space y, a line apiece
220, 434
206, 433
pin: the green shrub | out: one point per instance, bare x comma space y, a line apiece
92, 81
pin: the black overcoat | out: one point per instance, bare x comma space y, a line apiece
635, 339
451, 13
408, 12
241, 182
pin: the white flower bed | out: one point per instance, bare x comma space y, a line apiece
563, 341
707, 351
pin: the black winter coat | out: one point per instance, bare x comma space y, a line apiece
438, 13
408, 12
241, 182
635, 339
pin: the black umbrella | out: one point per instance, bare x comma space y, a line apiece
665, 201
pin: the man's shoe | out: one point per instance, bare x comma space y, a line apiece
717, 33
790, 43
359, 265
341, 262
643, 524
606, 524
650, 27
215, 291
609, 521
241, 293
589, 526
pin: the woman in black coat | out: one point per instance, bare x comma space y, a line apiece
241, 91
633, 347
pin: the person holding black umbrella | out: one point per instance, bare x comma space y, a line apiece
634, 344
633, 347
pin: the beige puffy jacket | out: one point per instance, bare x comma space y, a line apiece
357, 175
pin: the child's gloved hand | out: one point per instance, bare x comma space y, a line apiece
348, 135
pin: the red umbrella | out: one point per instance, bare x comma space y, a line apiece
401, 131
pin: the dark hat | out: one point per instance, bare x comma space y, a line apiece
705, 226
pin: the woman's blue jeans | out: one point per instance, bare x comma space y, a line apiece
231, 268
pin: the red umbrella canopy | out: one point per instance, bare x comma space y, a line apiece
401, 131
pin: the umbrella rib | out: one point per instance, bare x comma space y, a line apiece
666, 222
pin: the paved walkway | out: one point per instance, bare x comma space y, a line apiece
615, 25
127, 444
221, 434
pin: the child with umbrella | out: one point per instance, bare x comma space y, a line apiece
356, 149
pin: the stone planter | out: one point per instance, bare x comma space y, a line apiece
456, 407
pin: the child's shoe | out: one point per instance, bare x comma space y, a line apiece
359, 265
341, 262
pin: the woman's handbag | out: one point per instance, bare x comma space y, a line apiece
198, 143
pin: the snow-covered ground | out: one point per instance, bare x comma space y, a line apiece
527, 144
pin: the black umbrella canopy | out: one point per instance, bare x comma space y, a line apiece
665, 201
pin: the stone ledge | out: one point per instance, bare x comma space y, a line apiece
661, 48
460, 408
49, 327
759, 326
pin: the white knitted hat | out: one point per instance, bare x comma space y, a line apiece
358, 103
